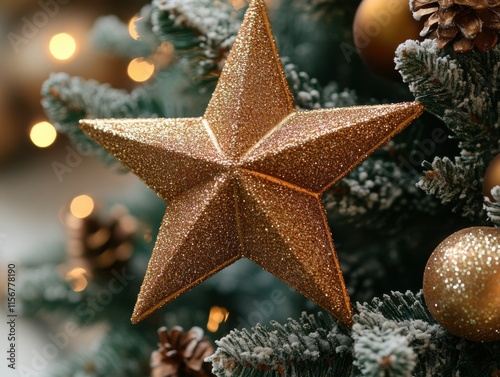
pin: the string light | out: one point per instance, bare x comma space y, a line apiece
237, 4
140, 70
62, 46
217, 316
81, 206
132, 29
43, 134
77, 278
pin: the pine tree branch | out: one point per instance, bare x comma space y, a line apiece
396, 307
314, 346
202, 33
383, 351
458, 182
433, 79
67, 99
392, 336
377, 189
461, 89
396, 335
492, 207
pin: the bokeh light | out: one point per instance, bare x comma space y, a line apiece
237, 4
43, 134
81, 206
132, 29
62, 46
77, 279
216, 317
140, 70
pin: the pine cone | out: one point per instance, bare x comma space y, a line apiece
463, 23
98, 245
181, 354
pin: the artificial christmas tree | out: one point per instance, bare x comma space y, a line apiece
387, 214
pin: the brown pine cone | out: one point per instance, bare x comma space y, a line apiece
97, 245
181, 354
465, 24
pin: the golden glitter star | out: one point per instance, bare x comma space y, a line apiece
246, 179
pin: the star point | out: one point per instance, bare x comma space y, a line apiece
246, 179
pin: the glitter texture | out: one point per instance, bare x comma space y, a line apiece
246, 180
462, 284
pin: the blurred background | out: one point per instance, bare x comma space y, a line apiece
38, 38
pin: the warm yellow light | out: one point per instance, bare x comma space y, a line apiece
132, 30
81, 206
140, 70
213, 326
62, 46
77, 278
43, 134
237, 4
216, 317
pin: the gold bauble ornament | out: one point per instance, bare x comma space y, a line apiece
492, 177
379, 27
246, 179
462, 284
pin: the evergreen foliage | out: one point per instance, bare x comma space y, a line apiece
492, 207
461, 90
67, 99
392, 336
202, 33
315, 346
457, 182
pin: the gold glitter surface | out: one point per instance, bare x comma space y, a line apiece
154, 149
315, 149
462, 284
197, 238
285, 231
245, 181
252, 94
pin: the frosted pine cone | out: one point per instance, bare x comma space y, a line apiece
181, 354
463, 23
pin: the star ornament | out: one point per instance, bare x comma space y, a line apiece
246, 179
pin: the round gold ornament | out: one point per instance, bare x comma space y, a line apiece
462, 284
379, 27
492, 177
